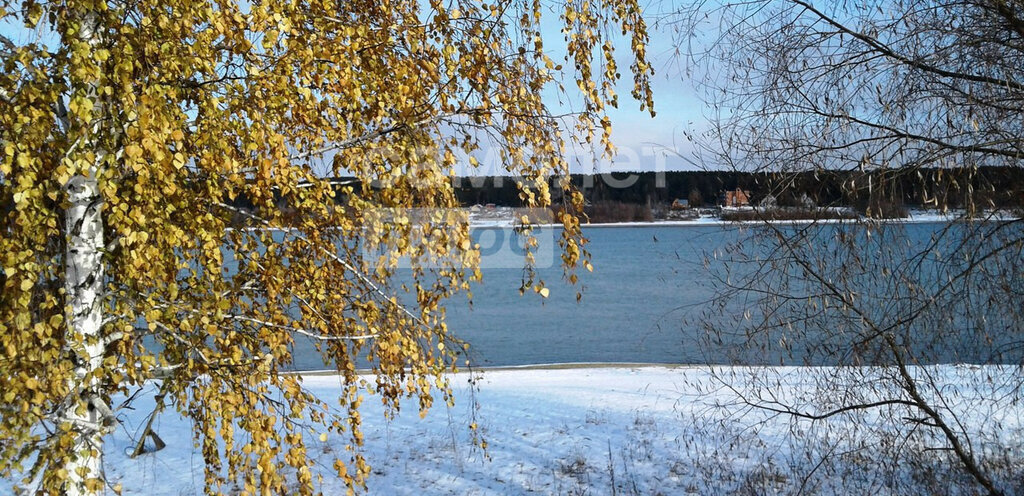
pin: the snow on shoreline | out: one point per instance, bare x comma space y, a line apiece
504, 218
640, 429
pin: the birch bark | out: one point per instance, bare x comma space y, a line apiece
84, 279
85, 409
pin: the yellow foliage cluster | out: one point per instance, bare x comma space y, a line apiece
210, 128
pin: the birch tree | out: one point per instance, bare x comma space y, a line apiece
165, 216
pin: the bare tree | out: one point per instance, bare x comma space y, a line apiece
872, 92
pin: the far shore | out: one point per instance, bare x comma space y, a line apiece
532, 366
913, 217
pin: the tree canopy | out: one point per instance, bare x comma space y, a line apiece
887, 85
881, 91
128, 132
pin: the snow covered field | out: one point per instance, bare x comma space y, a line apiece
583, 430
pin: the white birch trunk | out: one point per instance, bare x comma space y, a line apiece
86, 409
84, 285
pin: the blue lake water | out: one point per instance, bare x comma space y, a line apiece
644, 302
646, 282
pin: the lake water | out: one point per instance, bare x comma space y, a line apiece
645, 280
642, 303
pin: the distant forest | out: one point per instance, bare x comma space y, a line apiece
988, 188
642, 196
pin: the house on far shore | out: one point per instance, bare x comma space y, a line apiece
735, 198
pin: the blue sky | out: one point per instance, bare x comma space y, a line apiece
647, 143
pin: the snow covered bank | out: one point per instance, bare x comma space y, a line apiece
592, 430
503, 218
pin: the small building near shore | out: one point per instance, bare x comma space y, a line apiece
735, 198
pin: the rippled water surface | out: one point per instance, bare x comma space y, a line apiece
642, 303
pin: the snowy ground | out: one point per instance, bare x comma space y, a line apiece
575, 430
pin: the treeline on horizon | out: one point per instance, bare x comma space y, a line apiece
986, 187
647, 195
